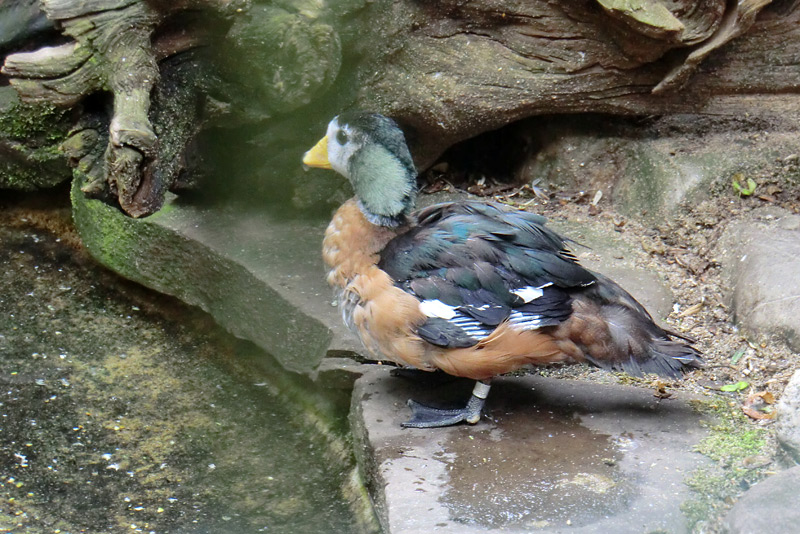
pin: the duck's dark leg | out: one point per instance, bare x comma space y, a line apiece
431, 378
426, 417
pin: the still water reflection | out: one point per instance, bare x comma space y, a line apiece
123, 411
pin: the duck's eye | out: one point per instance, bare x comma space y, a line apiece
341, 137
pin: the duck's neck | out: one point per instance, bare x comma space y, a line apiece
385, 185
352, 243
388, 221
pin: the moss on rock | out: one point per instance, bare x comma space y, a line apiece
741, 452
188, 253
29, 139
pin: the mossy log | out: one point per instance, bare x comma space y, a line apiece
147, 55
452, 70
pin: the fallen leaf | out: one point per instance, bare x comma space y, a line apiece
756, 414
738, 386
757, 405
691, 310
661, 390
761, 396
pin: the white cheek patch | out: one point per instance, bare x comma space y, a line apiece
339, 155
437, 308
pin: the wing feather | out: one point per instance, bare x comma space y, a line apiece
478, 258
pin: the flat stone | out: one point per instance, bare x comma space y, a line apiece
760, 259
260, 276
549, 455
769, 506
787, 427
648, 171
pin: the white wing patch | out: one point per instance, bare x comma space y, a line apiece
524, 321
471, 326
437, 308
529, 293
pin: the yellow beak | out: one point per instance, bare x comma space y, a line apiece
318, 156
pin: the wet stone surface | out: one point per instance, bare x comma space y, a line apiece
257, 274
787, 427
549, 456
770, 506
564, 470
115, 417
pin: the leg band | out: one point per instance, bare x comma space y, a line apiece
481, 389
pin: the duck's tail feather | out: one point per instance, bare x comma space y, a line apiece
662, 356
614, 331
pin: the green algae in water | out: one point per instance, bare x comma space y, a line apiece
114, 418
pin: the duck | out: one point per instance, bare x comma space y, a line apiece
475, 289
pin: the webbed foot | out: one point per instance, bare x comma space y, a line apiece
423, 416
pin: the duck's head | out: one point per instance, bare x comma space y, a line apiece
371, 152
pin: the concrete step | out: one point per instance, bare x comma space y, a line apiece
550, 455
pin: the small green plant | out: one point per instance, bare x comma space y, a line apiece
738, 386
745, 188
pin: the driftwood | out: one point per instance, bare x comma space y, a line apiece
447, 70
460, 68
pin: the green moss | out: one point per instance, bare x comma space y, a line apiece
30, 135
732, 440
41, 122
112, 241
645, 13
733, 436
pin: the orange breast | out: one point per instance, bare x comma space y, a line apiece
382, 315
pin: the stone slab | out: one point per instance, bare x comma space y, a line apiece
260, 276
550, 456
769, 506
760, 259
787, 427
